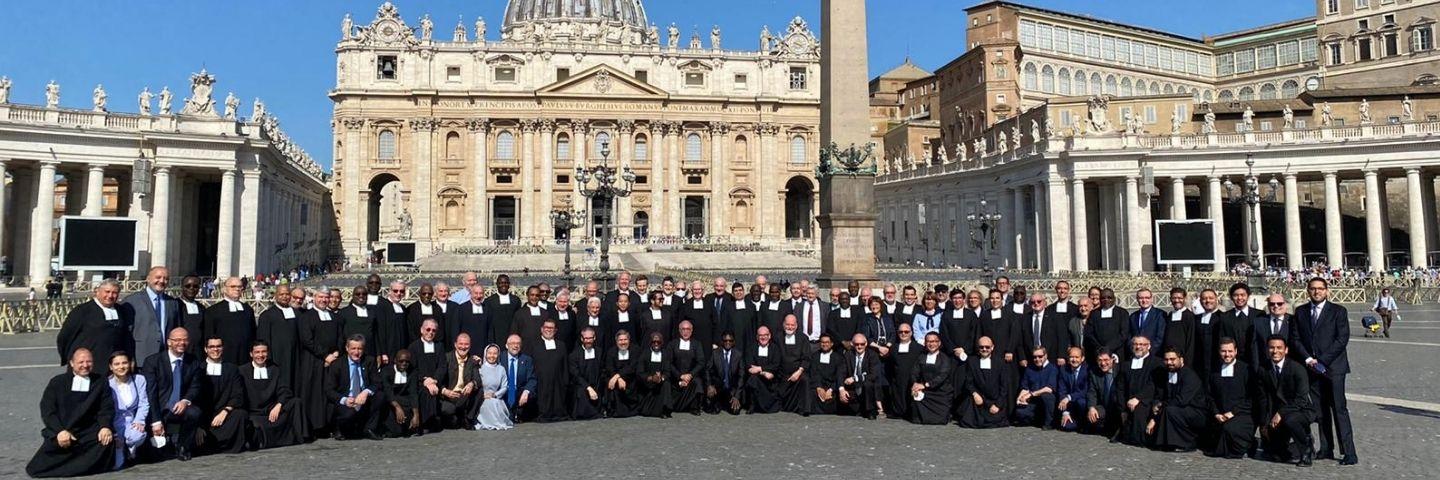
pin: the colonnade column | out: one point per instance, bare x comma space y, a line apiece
1374, 222
160, 237
655, 153
42, 221
1216, 207
1080, 232
1133, 243
1017, 224
1177, 198
580, 151
225, 231
1418, 232
1334, 236
623, 215
673, 133
546, 231
526, 209
94, 191
478, 204
1294, 254
249, 218
719, 201
3, 204
1005, 205
1058, 222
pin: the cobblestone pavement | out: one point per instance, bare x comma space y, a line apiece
1393, 441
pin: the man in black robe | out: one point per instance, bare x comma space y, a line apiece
900, 360
1231, 391
472, 318
1287, 405
192, 314
724, 377
986, 390
701, 315
223, 426
174, 387
763, 381
402, 394
844, 320
528, 320
741, 316
77, 409
687, 356
501, 306
447, 311
656, 374
1180, 331
458, 379
1137, 391
279, 329
622, 289
1206, 343
1239, 323
232, 321
1105, 328
585, 367
958, 326
621, 365
794, 390
319, 340
774, 310
390, 326
656, 318
427, 358
358, 318
98, 326
930, 388
827, 369
272, 406
350, 385
565, 316
1178, 417
552, 376
424, 307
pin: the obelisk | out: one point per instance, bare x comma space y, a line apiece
847, 166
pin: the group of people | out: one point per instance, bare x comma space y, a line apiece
155, 376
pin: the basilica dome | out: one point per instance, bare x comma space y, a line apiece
625, 13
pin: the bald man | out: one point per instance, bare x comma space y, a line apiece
153, 312
232, 321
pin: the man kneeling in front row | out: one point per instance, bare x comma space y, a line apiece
348, 387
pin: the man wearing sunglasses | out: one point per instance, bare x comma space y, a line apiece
1036, 404
1276, 321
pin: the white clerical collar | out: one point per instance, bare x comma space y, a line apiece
1173, 378
80, 383
1138, 362
261, 373
549, 343
684, 344
623, 354
372, 299
985, 363
1243, 311
213, 368
1043, 365
235, 305
1227, 370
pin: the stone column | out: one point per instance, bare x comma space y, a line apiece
160, 238
847, 199
771, 225
1334, 235
42, 225
1177, 198
526, 210
225, 232
675, 196
422, 197
1134, 241
626, 152
1374, 222
1058, 224
249, 210
655, 143
1427, 197
1079, 209
479, 207
546, 233
94, 191
719, 200
1294, 254
24, 186
1011, 232
354, 224
4, 203
1216, 207
581, 151
1418, 233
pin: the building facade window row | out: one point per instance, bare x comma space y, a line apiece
1268, 56
1131, 52
1063, 80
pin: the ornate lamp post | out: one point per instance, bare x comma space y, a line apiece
600, 182
1251, 197
984, 221
567, 220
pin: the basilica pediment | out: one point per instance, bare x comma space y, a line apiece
601, 80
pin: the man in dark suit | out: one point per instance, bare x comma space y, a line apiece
859, 391
351, 385
173, 389
1239, 323
1103, 397
812, 312
458, 378
1146, 321
1073, 389
1320, 336
1286, 405
521, 370
1045, 329
724, 377
97, 326
1278, 321
154, 313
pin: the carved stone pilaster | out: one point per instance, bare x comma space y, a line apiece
353, 124
580, 126
529, 125
480, 125
424, 124
547, 125
626, 127
719, 128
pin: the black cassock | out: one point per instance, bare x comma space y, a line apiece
552, 381
360, 320
899, 367
235, 328
655, 321
426, 363
501, 308
526, 323
403, 389
1004, 332
688, 357
827, 370
417, 313
223, 389
654, 381
473, 320
86, 327
566, 328
934, 372
615, 321
1230, 392
1206, 347
192, 317
82, 414
319, 336
794, 356
993, 382
261, 395
621, 402
585, 373
1137, 382
390, 334
740, 318
282, 335
701, 316
1180, 335
764, 395
1182, 412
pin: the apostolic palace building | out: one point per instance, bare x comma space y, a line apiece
465, 137
1079, 133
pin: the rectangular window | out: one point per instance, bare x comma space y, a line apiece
1393, 120
798, 78
503, 179
1192, 63
562, 74
999, 98
1363, 24
1062, 40
1359, 4
1265, 125
694, 180
1207, 64
1165, 58
1287, 53
1152, 55
505, 74
1108, 46
1244, 61
1309, 49
1044, 37
1335, 56
642, 179
1225, 64
1392, 44
1265, 57
1389, 19
694, 79
1182, 111
1077, 42
643, 76
1362, 49
562, 179
1065, 119
1092, 42
386, 67
1027, 34
742, 81
304, 213
1424, 39
452, 74
1332, 6
1150, 114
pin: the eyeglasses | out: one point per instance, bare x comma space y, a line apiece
427, 329
397, 290
1277, 304
903, 331
984, 347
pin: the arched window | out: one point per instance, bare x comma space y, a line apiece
601, 139
692, 147
505, 146
1063, 81
1112, 86
1096, 84
1209, 95
1155, 88
1047, 79
1226, 96
1082, 86
1290, 89
1246, 94
562, 146
642, 147
742, 149
452, 145
1031, 80
387, 145
1140, 87
1267, 91
1126, 89
797, 149
1169, 89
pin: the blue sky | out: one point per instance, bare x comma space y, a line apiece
283, 50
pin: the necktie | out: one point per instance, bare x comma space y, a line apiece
174, 385
355, 383
718, 300
727, 370
929, 322
859, 372
1277, 374
510, 396
1314, 315
1037, 329
1109, 381
1275, 327
160, 315
809, 323
1142, 318
460, 369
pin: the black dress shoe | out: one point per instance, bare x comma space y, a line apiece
1325, 455
1306, 459
1349, 460
373, 436
182, 454
337, 436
